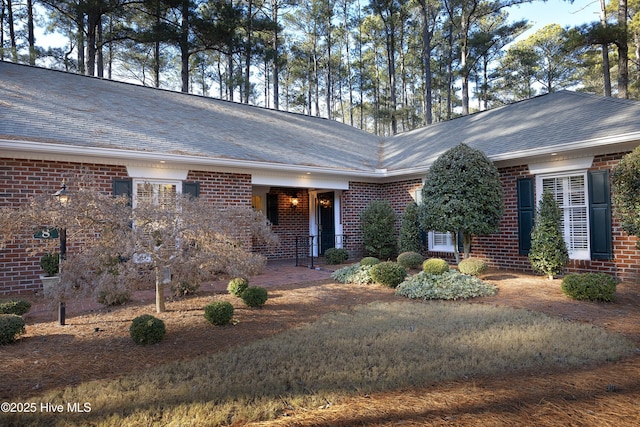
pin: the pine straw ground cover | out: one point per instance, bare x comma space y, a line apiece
49, 357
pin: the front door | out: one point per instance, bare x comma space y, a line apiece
326, 222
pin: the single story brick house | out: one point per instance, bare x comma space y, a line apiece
312, 176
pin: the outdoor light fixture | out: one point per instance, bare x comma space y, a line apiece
294, 202
62, 194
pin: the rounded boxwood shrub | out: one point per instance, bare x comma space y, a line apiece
336, 255
147, 329
589, 286
219, 313
435, 266
15, 306
410, 259
388, 273
472, 266
255, 296
369, 260
237, 286
11, 325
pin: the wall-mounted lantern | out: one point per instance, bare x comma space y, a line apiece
294, 202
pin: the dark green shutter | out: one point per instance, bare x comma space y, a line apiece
526, 214
600, 215
123, 187
191, 188
272, 208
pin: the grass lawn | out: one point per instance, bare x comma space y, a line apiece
372, 348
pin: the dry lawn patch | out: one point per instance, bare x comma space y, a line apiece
374, 348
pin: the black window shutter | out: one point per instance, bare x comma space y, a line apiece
600, 215
191, 188
526, 214
272, 208
123, 187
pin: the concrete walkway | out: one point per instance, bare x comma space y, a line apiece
275, 273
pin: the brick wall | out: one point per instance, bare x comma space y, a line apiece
501, 249
22, 179
360, 195
292, 224
19, 181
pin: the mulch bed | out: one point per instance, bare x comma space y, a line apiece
96, 345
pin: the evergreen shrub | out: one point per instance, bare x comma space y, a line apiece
410, 260
15, 306
548, 254
450, 285
255, 296
377, 223
219, 313
357, 274
410, 238
388, 273
435, 266
369, 260
472, 266
589, 286
336, 255
50, 264
237, 286
147, 329
11, 325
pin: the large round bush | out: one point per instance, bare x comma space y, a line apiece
410, 260
435, 266
472, 266
255, 296
147, 329
219, 313
11, 325
388, 274
589, 286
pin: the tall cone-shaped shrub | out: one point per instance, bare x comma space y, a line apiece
548, 254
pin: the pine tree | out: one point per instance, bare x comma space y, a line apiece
548, 254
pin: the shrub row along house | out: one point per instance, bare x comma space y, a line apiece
312, 176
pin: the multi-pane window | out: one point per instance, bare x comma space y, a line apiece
163, 194
440, 242
570, 192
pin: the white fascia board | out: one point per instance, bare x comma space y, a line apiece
64, 152
585, 146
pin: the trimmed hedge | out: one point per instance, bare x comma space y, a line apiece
147, 329
11, 325
219, 313
237, 286
472, 266
388, 273
255, 296
15, 306
410, 260
435, 266
336, 255
369, 260
589, 286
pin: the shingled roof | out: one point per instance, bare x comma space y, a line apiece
53, 107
